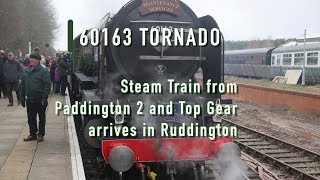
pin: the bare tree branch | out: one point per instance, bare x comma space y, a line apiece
24, 21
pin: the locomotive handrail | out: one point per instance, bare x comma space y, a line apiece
166, 22
172, 58
124, 6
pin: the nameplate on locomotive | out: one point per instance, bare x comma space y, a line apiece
168, 6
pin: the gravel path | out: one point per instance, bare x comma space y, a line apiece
301, 129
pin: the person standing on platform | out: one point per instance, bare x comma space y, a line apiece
63, 66
35, 89
52, 75
12, 73
3, 87
26, 61
57, 80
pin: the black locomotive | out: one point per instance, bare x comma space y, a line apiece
99, 70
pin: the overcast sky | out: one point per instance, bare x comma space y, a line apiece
238, 19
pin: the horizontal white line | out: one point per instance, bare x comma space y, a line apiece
167, 22
76, 159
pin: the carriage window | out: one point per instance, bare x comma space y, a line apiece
298, 59
279, 60
287, 58
312, 58
273, 61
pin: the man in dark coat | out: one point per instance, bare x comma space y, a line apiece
12, 73
3, 87
63, 67
35, 88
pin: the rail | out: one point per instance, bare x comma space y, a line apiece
269, 72
258, 169
302, 163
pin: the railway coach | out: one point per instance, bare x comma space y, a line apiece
287, 55
259, 56
294, 55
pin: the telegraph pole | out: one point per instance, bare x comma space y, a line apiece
304, 59
29, 47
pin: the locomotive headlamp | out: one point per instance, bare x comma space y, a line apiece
121, 158
119, 119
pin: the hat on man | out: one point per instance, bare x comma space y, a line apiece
35, 56
36, 49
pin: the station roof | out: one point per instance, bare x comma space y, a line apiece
248, 51
298, 48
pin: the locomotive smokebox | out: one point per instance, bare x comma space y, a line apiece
156, 63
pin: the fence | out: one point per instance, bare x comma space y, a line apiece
269, 72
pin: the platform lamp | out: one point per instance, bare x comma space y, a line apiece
304, 59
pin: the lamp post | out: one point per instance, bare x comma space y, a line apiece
304, 59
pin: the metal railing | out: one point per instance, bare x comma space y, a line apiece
270, 72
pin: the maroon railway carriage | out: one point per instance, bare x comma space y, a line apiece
259, 56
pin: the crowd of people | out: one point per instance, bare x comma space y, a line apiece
11, 70
32, 79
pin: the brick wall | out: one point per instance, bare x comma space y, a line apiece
295, 100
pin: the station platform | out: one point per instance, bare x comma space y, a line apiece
54, 158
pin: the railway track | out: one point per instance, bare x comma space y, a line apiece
254, 170
299, 162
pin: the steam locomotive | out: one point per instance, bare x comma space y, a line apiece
99, 71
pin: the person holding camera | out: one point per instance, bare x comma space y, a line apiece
35, 88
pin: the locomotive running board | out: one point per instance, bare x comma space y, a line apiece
177, 149
172, 58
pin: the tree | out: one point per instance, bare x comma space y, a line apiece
24, 21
